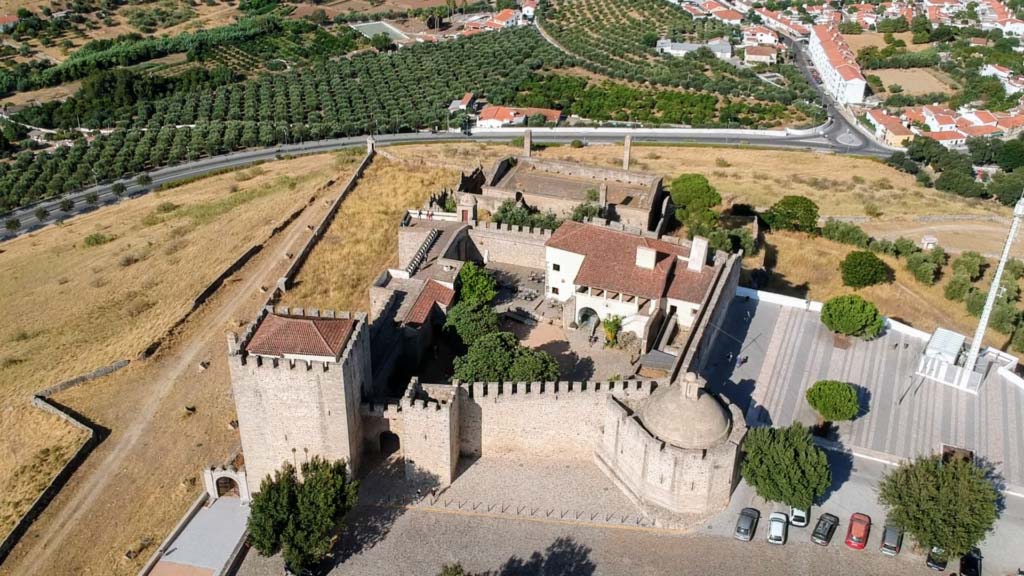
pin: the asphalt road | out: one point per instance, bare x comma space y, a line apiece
828, 142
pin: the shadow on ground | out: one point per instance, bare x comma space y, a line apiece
564, 557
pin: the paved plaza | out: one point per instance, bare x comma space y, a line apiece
788, 349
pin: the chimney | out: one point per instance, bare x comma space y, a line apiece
698, 254
646, 257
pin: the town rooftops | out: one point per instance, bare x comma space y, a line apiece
944, 135
505, 15
762, 51
838, 53
285, 336
610, 263
509, 114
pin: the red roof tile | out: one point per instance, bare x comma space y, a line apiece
433, 293
281, 336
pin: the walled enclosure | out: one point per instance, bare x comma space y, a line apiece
290, 410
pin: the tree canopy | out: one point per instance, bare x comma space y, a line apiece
476, 286
833, 400
793, 213
950, 504
852, 315
862, 268
300, 518
499, 357
784, 465
694, 198
470, 321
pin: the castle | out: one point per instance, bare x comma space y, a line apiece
313, 382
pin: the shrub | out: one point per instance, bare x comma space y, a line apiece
905, 247
845, 233
92, 198
67, 205
922, 268
975, 301
97, 239
833, 400
576, 144
12, 224
166, 207
970, 265
956, 289
852, 315
612, 325
585, 211
41, 213
862, 268
1005, 317
118, 188
793, 213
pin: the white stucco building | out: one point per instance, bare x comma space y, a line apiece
837, 65
602, 272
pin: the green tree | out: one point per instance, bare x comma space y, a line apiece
784, 465
382, 42
118, 189
612, 325
12, 224
950, 504
923, 268
969, 264
833, 400
793, 213
92, 198
585, 211
694, 198
532, 365
143, 180
300, 519
498, 357
41, 213
476, 286
957, 287
862, 268
852, 315
67, 204
471, 320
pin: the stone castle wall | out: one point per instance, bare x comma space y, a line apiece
547, 419
507, 244
292, 410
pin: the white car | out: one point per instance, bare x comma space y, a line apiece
798, 517
777, 525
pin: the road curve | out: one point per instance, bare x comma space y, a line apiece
105, 196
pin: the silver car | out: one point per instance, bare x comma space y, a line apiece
746, 524
778, 524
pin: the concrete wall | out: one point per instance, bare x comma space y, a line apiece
550, 419
508, 244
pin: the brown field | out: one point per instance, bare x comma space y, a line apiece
809, 268
858, 41
71, 308
363, 239
982, 236
367, 6
914, 80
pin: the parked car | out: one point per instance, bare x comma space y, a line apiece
798, 517
746, 524
892, 540
936, 559
858, 531
970, 564
777, 527
824, 529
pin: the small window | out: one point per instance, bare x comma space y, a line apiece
556, 267
554, 290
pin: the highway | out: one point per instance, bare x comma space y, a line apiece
833, 137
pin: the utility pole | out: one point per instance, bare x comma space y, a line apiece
993, 292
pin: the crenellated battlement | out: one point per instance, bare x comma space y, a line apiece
237, 344
509, 228
528, 390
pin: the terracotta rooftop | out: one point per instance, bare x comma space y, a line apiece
433, 293
610, 263
282, 336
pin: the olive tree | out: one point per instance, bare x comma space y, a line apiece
851, 315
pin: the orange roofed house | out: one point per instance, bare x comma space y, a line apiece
501, 116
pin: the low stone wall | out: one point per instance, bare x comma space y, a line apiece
504, 243
547, 419
95, 433
714, 308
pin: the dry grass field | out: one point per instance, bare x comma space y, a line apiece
913, 80
363, 239
463, 156
386, 5
864, 39
102, 286
809, 268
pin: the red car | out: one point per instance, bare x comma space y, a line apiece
857, 533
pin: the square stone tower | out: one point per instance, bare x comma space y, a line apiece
298, 378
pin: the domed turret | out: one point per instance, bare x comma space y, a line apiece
685, 415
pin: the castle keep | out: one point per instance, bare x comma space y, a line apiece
309, 382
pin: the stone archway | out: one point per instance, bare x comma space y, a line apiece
389, 443
587, 317
227, 486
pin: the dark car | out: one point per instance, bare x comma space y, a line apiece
747, 524
892, 541
936, 559
970, 564
824, 529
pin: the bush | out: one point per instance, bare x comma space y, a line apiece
12, 224
852, 315
576, 144
957, 288
793, 213
784, 465
969, 264
1004, 318
975, 301
905, 247
97, 239
922, 268
862, 268
845, 233
833, 400
67, 205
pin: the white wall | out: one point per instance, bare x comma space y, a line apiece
569, 265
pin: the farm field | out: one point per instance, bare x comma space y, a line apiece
378, 6
865, 39
363, 239
808, 267
914, 81
101, 287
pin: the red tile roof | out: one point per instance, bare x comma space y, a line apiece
8, 19
508, 114
505, 15
728, 15
609, 262
433, 293
281, 336
944, 135
761, 51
